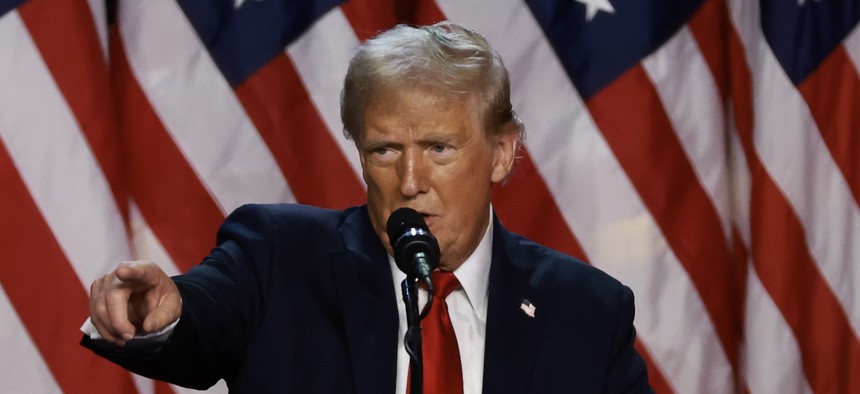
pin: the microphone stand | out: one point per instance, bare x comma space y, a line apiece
412, 339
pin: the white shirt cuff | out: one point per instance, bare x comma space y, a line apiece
151, 338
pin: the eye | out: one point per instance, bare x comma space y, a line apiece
440, 152
382, 150
439, 148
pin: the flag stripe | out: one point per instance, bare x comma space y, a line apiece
774, 365
782, 120
540, 219
369, 17
146, 245
709, 26
75, 61
22, 368
790, 276
194, 99
836, 113
277, 102
703, 253
174, 203
46, 144
771, 360
655, 377
332, 39
783, 263
34, 290
852, 47
703, 143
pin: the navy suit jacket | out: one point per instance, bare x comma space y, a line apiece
296, 299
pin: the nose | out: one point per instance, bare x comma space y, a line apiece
413, 174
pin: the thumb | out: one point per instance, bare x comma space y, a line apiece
163, 315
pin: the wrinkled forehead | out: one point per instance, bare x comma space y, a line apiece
422, 102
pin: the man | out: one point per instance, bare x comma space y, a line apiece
300, 299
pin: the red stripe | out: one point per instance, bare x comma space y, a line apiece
655, 377
285, 116
630, 115
527, 207
65, 34
830, 349
370, 17
171, 198
163, 388
833, 95
46, 292
709, 27
788, 272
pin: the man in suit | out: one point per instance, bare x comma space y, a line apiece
301, 299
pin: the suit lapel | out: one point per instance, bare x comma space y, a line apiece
513, 337
366, 294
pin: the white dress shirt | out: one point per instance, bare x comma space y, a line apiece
467, 308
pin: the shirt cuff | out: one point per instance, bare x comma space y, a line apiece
151, 338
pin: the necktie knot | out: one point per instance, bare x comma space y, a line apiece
444, 283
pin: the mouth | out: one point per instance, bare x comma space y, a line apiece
428, 218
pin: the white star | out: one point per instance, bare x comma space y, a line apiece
592, 6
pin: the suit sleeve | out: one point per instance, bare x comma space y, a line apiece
627, 372
221, 301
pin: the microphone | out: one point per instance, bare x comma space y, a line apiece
416, 251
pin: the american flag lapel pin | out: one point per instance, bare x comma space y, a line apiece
528, 308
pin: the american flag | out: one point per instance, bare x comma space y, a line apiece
704, 152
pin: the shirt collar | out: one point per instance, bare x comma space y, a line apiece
473, 274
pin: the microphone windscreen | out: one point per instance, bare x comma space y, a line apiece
414, 248
402, 220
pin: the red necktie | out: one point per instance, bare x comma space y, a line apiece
443, 373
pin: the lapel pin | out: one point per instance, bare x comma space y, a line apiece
528, 308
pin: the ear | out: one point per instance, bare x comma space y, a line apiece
504, 154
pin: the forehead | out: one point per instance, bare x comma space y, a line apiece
417, 109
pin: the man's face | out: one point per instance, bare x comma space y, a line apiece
430, 153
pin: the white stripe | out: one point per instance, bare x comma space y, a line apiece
741, 182
793, 152
197, 106
322, 57
146, 244
55, 162
22, 369
599, 203
852, 46
771, 358
219, 388
698, 122
99, 11
144, 385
